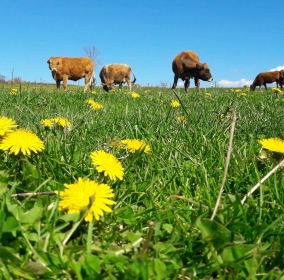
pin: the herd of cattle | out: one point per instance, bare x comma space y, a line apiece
186, 65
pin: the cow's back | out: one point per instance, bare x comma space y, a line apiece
184, 60
121, 70
268, 77
77, 65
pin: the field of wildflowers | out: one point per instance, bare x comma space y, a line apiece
152, 184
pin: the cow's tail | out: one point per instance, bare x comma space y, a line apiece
134, 77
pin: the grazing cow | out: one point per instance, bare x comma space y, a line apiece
113, 74
268, 78
186, 65
72, 68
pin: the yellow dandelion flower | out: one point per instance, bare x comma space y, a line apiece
181, 119
273, 144
134, 145
263, 155
207, 95
135, 95
62, 121
6, 125
242, 94
78, 195
14, 91
94, 105
47, 122
94, 92
22, 141
175, 103
238, 90
107, 164
277, 90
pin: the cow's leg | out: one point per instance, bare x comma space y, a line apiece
175, 82
58, 84
186, 84
265, 86
87, 83
197, 83
129, 85
65, 79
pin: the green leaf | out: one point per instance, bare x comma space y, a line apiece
7, 253
32, 236
31, 170
217, 234
36, 268
74, 217
160, 268
14, 209
92, 264
3, 188
236, 252
164, 248
168, 228
10, 225
132, 237
34, 214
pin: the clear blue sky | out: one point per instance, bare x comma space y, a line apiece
237, 38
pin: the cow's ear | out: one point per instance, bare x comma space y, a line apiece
198, 66
48, 61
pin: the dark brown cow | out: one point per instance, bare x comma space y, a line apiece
72, 68
113, 74
268, 78
186, 65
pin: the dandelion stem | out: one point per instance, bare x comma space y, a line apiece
262, 181
148, 239
89, 239
229, 152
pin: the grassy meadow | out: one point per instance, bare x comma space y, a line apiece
163, 224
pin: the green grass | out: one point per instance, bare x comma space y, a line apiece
160, 227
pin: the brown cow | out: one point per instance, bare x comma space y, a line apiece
268, 78
112, 74
72, 68
186, 65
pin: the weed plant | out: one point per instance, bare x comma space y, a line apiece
160, 227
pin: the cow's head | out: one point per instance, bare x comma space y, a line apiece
108, 85
53, 64
204, 72
281, 74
